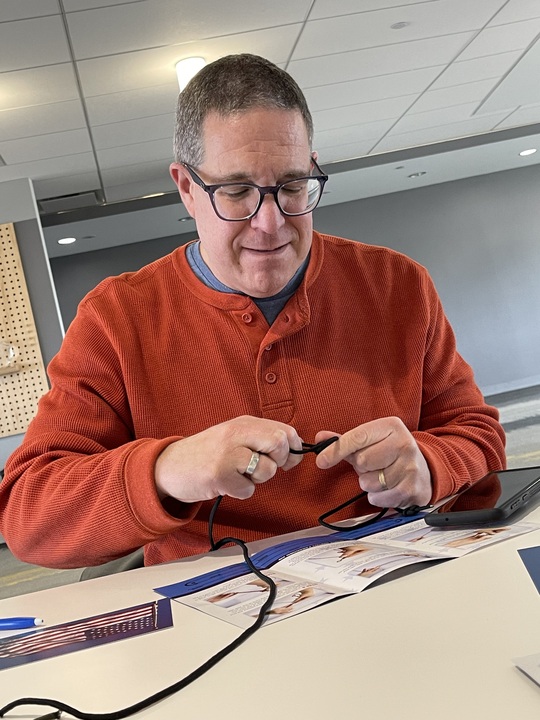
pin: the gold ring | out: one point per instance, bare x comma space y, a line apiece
252, 464
382, 480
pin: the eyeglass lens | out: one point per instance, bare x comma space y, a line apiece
236, 202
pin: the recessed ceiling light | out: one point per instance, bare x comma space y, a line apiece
67, 241
399, 25
417, 174
531, 151
187, 68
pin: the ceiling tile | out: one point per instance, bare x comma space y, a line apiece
473, 92
503, 38
156, 127
362, 113
331, 8
157, 180
21, 9
517, 10
339, 94
138, 172
32, 43
424, 136
483, 68
373, 62
348, 151
50, 167
54, 117
74, 5
351, 133
155, 23
131, 104
66, 185
372, 29
434, 118
136, 154
27, 88
526, 115
147, 68
41, 147
519, 87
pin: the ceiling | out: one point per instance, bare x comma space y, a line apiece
434, 89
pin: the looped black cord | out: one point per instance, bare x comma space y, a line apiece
180, 684
265, 608
322, 519
184, 682
318, 448
314, 447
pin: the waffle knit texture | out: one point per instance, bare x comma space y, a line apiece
155, 355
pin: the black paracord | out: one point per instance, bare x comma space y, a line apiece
184, 682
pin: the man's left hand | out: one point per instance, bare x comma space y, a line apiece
390, 466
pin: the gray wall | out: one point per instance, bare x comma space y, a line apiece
479, 238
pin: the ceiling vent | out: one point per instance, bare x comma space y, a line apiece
63, 203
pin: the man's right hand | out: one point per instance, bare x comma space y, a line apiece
214, 461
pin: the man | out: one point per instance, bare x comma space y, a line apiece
197, 375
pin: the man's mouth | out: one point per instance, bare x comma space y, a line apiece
267, 251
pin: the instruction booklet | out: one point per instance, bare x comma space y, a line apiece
323, 568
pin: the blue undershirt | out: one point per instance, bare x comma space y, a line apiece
269, 306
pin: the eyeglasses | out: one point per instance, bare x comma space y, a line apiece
241, 201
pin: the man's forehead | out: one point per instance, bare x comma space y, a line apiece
262, 122
237, 146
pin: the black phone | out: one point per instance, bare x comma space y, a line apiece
495, 498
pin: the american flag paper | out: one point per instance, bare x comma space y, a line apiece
81, 634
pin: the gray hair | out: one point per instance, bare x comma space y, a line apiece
230, 85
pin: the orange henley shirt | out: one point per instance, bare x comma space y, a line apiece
155, 355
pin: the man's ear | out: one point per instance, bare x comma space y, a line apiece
184, 183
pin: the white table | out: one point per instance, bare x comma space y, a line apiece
437, 643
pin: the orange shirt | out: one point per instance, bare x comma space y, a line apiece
155, 355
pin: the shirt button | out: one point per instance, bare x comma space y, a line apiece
247, 318
270, 377
268, 347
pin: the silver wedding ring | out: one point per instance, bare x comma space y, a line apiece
252, 464
382, 480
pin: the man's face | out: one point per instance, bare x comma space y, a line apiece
264, 146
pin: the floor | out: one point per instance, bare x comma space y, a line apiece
520, 416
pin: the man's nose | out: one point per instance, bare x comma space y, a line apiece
269, 217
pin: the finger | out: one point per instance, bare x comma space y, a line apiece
325, 435
326, 458
274, 441
265, 469
359, 438
376, 481
238, 486
292, 461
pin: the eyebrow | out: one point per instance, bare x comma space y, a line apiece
240, 177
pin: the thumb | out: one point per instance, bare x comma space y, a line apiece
324, 435
325, 459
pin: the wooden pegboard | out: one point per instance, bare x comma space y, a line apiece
22, 374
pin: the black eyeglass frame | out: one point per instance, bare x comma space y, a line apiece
263, 190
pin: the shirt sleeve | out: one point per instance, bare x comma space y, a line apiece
80, 489
459, 434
